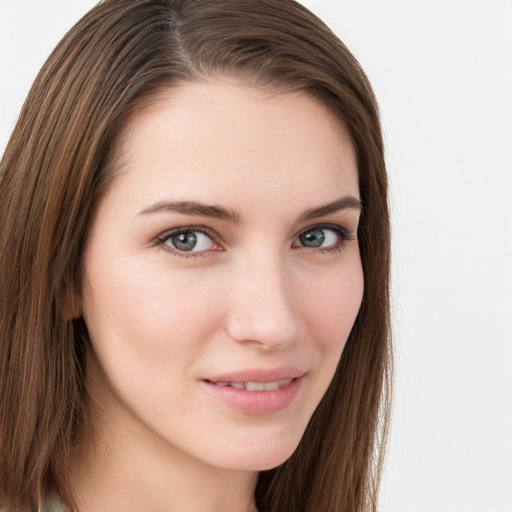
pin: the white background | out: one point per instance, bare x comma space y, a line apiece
442, 70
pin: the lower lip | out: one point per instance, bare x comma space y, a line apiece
259, 403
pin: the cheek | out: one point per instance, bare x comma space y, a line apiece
148, 331
332, 308
146, 312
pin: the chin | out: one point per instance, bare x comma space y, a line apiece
257, 456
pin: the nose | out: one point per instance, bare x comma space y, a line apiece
262, 302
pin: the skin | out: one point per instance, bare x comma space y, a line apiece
250, 294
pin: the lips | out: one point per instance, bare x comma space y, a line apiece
257, 391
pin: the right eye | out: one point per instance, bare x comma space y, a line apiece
187, 240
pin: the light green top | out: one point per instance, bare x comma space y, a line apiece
52, 504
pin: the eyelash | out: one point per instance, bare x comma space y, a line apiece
342, 234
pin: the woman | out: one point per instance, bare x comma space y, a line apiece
194, 305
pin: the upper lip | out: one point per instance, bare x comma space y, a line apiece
259, 375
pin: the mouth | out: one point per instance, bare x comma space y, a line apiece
256, 392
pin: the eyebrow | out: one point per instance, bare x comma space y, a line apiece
348, 202
218, 212
193, 208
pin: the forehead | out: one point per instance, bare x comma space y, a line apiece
206, 136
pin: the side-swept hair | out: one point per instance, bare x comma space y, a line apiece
59, 160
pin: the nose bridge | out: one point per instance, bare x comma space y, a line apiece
262, 302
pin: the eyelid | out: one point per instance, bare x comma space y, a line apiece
184, 229
345, 233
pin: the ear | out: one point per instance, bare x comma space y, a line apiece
72, 305
75, 308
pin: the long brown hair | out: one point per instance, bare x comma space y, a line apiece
58, 162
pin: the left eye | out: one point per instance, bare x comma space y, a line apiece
188, 241
321, 237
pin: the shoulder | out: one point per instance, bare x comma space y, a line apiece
52, 504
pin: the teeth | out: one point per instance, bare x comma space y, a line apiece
269, 386
256, 386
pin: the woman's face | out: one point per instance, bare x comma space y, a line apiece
221, 274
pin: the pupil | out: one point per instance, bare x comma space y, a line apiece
312, 238
184, 241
